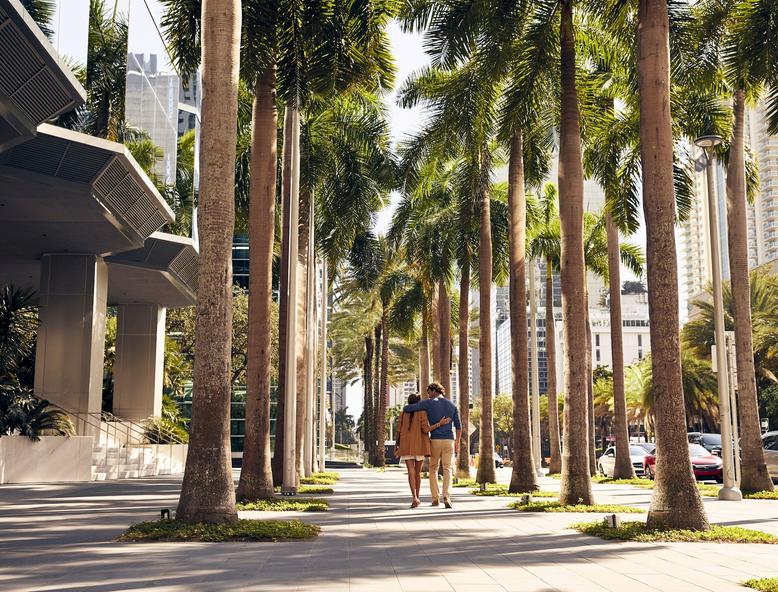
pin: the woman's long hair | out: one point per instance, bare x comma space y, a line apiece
411, 400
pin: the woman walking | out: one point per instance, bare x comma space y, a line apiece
413, 444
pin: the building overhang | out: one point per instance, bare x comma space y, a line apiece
163, 272
66, 192
35, 85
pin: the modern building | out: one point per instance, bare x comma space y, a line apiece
152, 105
694, 239
763, 231
79, 225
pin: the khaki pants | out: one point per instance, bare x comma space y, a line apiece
440, 451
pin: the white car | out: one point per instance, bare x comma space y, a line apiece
770, 443
607, 462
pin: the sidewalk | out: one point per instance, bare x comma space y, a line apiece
59, 537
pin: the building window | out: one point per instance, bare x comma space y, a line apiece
640, 340
597, 340
598, 355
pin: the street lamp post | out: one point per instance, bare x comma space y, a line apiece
730, 490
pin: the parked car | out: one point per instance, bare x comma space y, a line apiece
649, 447
711, 442
607, 462
704, 464
770, 443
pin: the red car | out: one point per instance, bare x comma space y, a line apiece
704, 464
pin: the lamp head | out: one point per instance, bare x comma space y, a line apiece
710, 141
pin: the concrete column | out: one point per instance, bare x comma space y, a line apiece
71, 334
140, 357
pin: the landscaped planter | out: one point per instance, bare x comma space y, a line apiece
53, 458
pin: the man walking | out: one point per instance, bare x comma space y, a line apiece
443, 444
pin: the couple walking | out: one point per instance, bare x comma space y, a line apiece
425, 430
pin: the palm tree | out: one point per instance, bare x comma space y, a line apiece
544, 242
576, 485
42, 12
698, 335
256, 475
207, 492
676, 502
736, 30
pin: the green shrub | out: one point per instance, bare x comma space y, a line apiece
242, 530
25, 414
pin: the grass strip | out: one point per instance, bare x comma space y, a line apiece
493, 490
311, 489
317, 481
762, 495
641, 533
242, 530
762, 584
580, 508
466, 483
637, 481
326, 475
282, 504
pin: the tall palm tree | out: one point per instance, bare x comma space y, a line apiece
207, 492
736, 31
544, 242
676, 502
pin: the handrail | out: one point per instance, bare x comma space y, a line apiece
130, 427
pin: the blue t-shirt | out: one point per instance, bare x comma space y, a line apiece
437, 409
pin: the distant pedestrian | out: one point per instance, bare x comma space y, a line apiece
413, 444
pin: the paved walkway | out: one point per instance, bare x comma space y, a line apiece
60, 537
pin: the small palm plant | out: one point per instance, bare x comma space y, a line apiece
22, 413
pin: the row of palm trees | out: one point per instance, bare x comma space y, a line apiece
507, 79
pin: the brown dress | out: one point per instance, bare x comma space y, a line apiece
413, 437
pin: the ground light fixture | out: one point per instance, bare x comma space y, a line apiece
730, 490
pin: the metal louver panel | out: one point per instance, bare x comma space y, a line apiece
129, 199
184, 266
40, 155
31, 75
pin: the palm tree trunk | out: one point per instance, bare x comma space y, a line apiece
463, 376
256, 475
555, 463
435, 326
444, 322
424, 350
277, 463
367, 413
754, 474
383, 392
376, 391
523, 474
303, 258
576, 484
485, 472
589, 387
207, 492
623, 468
676, 501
